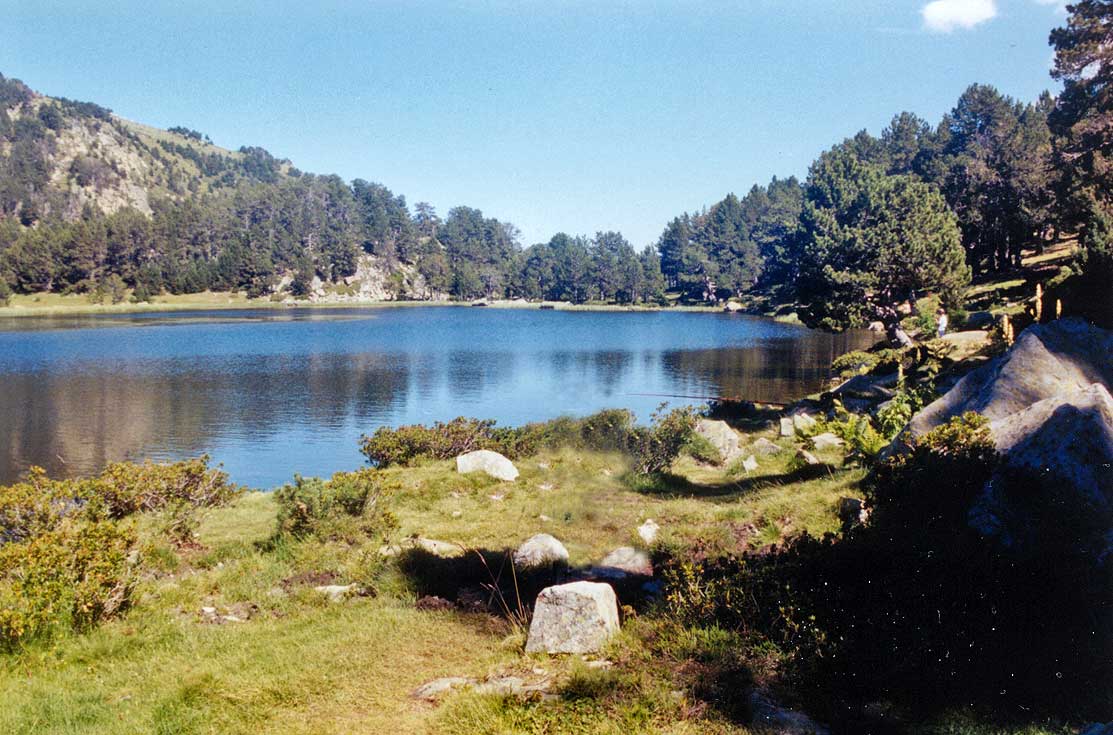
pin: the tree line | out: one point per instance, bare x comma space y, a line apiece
878, 220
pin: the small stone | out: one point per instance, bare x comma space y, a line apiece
336, 592
624, 561
803, 422
648, 531
208, 611
457, 513
750, 463
806, 457
543, 465
826, 440
546, 486
764, 446
787, 429
435, 688
503, 686
540, 550
544, 518
497, 497
600, 664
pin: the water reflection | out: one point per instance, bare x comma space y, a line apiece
271, 396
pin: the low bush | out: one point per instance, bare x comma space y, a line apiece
351, 507
611, 430
68, 556
654, 448
407, 444
72, 577
181, 491
914, 608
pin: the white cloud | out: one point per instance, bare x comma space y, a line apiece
944, 16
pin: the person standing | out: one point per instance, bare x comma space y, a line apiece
941, 322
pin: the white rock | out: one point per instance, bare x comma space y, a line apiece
750, 463
437, 687
484, 460
623, 561
648, 531
336, 592
540, 550
803, 422
787, 429
826, 440
721, 436
440, 548
764, 446
578, 617
806, 457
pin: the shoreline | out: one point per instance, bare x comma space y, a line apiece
30, 306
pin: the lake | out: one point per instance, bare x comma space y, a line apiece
272, 392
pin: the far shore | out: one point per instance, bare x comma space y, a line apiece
53, 305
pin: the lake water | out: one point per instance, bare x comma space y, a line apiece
269, 393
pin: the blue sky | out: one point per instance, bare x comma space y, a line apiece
573, 116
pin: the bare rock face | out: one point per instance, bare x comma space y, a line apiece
1051, 417
578, 617
1056, 475
540, 550
1048, 360
484, 460
722, 437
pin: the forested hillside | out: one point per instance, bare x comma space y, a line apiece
90, 202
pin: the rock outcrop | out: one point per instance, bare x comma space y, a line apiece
1048, 360
578, 617
1051, 417
492, 463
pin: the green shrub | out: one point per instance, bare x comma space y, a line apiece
179, 490
350, 506
72, 577
656, 447
854, 363
954, 459
407, 444
5, 292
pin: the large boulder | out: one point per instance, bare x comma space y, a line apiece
540, 550
1051, 418
1048, 360
578, 617
721, 436
1056, 474
484, 460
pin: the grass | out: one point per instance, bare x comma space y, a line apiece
299, 664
